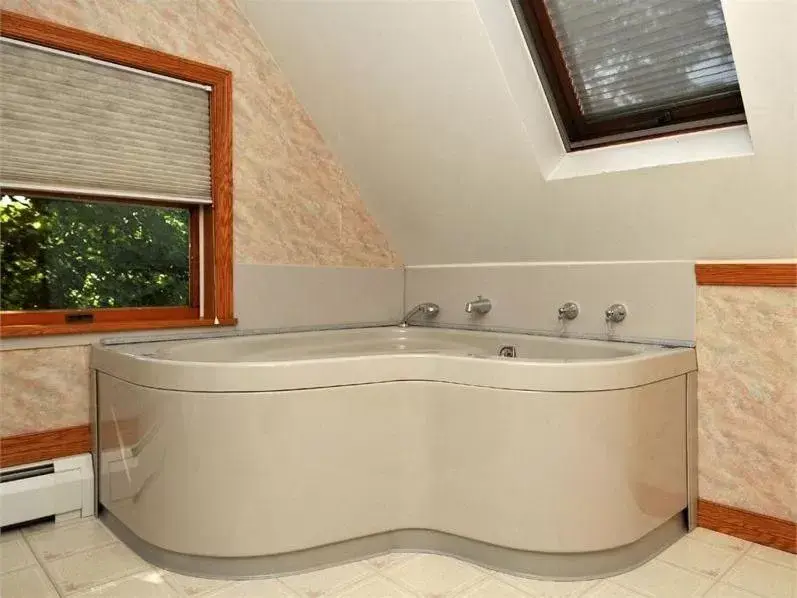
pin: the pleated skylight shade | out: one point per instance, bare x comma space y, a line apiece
69, 124
626, 56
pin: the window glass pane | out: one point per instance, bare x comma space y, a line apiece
624, 57
59, 254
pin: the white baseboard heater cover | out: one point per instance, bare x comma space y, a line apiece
37, 490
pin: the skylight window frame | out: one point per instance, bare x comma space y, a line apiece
577, 132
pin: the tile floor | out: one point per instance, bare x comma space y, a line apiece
83, 559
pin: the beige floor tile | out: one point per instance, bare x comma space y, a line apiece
763, 578
84, 570
147, 584
548, 589
663, 580
48, 524
779, 557
61, 541
6, 536
609, 589
193, 586
375, 587
434, 575
493, 588
327, 581
392, 559
30, 582
256, 588
708, 536
15, 554
723, 590
701, 557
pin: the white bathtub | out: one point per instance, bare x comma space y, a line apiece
264, 454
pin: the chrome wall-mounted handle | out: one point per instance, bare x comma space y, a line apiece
616, 313
568, 311
480, 306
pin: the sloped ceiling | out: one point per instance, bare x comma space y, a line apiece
413, 99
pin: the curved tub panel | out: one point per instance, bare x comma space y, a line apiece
585, 565
268, 473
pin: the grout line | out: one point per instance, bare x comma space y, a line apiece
720, 577
474, 584
781, 565
113, 579
41, 566
82, 550
479, 582
48, 527
31, 566
706, 542
286, 588
748, 590
335, 590
742, 554
745, 589
694, 571
396, 584
172, 586
594, 586
632, 589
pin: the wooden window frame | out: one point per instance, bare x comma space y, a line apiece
700, 114
216, 229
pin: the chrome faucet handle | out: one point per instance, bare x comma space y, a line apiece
616, 313
568, 311
480, 306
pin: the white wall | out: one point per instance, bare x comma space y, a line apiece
417, 104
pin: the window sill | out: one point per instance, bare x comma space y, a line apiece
101, 327
728, 142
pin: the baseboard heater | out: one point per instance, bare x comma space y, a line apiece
61, 487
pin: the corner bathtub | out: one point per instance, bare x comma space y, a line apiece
264, 454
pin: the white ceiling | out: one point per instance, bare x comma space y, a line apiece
414, 99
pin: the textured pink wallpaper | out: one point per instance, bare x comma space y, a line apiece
747, 396
42, 389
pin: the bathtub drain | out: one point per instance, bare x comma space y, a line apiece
508, 351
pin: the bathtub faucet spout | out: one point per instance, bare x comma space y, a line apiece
427, 309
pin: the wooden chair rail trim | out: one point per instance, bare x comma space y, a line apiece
747, 275
43, 446
753, 527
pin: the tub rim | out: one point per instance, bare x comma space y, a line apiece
650, 364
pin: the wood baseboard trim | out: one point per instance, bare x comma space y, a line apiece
747, 275
43, 446
754, 527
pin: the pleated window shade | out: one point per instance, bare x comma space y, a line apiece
72, 124
616, 59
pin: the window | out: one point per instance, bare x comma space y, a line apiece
61, 254
617, 70
116, 204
